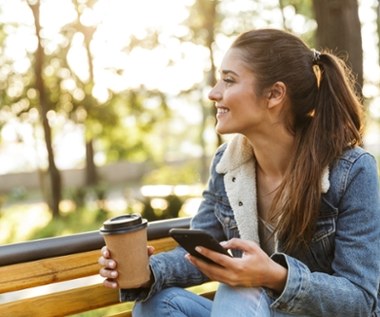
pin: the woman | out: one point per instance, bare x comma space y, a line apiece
292, 194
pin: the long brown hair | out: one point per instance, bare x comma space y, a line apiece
326, 119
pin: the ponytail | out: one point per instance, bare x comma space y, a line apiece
336, 122
334, 126
338, 111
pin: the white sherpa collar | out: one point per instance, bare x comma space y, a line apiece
238, 151
237, 165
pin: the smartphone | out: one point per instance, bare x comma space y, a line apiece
190, 238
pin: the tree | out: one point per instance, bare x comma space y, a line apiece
54, 174
339, 29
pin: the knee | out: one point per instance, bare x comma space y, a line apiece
240, 301
156, 305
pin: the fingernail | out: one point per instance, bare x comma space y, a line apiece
187, 256
198, 249
114, 274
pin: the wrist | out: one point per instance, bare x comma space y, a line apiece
278, 276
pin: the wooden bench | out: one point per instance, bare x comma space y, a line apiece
27, 265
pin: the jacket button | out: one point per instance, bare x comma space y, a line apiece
240, 203
234, 179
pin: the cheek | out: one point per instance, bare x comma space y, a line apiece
234, 97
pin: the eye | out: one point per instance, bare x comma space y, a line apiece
228, 80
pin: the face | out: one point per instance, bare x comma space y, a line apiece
239, 109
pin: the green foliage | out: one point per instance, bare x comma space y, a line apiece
174, 174
80, 220
122, 124
171, 209
303, 7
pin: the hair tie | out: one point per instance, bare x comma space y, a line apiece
316, 55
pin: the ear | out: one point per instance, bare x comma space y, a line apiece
276, 94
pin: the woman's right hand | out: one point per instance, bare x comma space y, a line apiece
108, 270
109, 267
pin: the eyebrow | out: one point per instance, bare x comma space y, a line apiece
227, 71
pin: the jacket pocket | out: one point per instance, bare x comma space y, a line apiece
225, 216
321, 248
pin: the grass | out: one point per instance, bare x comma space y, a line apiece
18, 222
33, 220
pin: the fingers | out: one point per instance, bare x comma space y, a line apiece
108, 270
110, 283
240, 244
220, 259
215, 272
105, 252
105, 259
107, 273
107, 263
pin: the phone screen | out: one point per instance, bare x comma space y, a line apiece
191, 238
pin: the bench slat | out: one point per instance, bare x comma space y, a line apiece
59, 269
68, 302
42, 272
62, 303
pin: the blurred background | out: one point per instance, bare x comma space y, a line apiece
103, 103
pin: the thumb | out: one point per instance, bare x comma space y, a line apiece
150, 250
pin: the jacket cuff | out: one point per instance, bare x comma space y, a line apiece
297, 282
141, 294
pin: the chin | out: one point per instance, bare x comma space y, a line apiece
220, 130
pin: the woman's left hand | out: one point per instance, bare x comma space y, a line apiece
254, 269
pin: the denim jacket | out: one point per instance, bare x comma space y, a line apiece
338, 274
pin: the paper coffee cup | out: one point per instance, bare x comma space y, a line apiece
126, 239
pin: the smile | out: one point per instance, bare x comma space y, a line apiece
222, 110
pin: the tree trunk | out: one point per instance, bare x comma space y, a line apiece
54, 174
339, 29
91, 171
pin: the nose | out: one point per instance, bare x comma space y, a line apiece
214, 94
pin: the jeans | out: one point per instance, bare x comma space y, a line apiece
228, 301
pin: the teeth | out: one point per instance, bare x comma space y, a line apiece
222, 110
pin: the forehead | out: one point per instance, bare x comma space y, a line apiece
233, 61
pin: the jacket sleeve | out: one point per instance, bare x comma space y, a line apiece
352, 289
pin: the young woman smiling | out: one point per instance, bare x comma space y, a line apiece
293, 195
